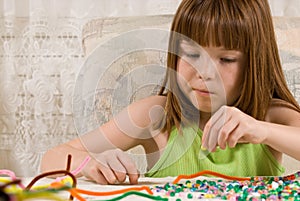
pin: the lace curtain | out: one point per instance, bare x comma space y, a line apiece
40, 55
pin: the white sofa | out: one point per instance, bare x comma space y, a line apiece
98, 32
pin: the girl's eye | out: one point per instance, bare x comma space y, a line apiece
193, 55
227, 60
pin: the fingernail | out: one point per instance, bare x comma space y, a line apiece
203, 148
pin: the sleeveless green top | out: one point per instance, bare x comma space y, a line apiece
183, 155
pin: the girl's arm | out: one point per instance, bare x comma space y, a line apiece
127, 129
283, 134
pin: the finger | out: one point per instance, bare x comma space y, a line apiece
218, 122
118, 169
214, 149
108, 174
100, 179
209, 125
95, 174
234, 137
225, 132
130, 167
213, 138
242, 140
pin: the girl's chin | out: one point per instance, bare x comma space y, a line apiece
203, 108
206, 107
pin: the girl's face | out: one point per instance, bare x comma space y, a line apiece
211, 76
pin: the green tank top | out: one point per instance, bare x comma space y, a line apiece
183, 155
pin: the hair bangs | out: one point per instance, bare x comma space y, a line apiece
214, 25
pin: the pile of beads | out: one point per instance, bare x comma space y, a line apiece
254, 188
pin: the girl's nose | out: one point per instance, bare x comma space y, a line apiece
205, 67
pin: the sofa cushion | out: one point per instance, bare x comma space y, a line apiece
98, 31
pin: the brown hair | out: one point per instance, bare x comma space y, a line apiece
234, 24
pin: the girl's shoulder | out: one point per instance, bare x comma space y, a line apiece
149, 103
147, 110
283, 112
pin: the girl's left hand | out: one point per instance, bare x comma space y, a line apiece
230, 126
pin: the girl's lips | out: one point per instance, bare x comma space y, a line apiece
203, 92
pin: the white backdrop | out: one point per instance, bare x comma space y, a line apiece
40, 55
100, 8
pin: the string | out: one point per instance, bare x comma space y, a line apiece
76, 192
27, 194
138, 194
30, 185
10, 186
12, 175
16, 181
134, 190
69, 159
81, 166
71, 190
78, 169
66, 172
34, 195
107, 193
24, 195
8, 172
46, 174
76, 195
208, 172
125, 192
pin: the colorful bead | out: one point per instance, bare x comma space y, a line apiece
255, 189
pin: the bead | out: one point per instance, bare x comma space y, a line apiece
190, 196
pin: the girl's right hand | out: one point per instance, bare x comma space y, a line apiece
111, 167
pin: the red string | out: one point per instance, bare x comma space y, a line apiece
208, 172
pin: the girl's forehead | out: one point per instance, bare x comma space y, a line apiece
185, 44
190, 44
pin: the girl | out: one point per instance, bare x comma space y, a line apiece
224, 78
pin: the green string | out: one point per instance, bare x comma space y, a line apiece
136, 193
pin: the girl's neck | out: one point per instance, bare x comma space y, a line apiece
204, 117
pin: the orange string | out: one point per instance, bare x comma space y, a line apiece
74, 193
208, 172
87, 192
56, 185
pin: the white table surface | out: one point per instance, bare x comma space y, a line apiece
88, 185
143, 181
